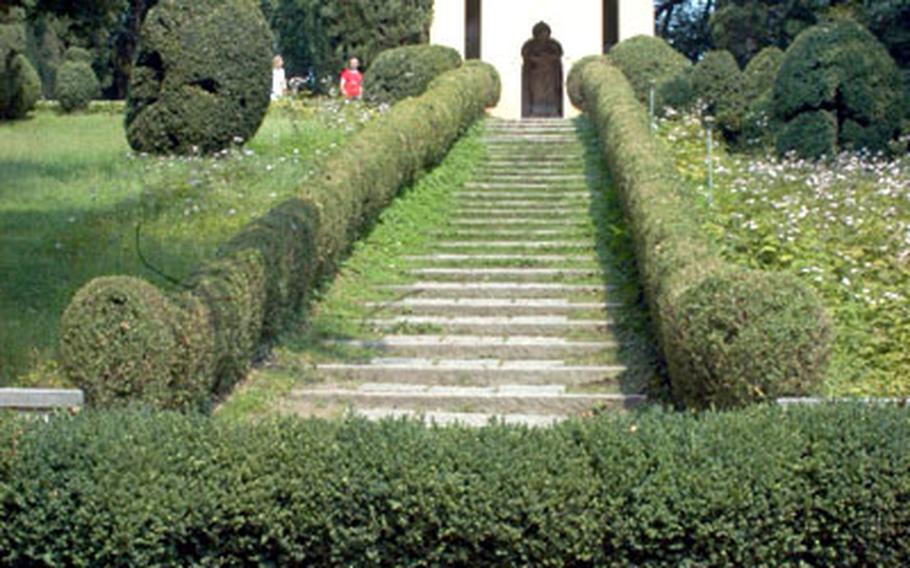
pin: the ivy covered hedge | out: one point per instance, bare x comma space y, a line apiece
823, 486
729, 337
122, 340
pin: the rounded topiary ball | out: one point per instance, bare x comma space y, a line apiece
719, 83
407, 71
744, 337
761, 72
76, 85
648, 61
123, 341
841, 69
202, 76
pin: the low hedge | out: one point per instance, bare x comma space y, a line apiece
823, 486
680, 267
406, 71
122, 339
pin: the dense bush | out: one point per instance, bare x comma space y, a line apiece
721, 86
260, 277
758, 124
76, 84
768, 487
762, 71
648, 61
841, 69
407, 71
574, 79
20, 86
202, 76
317, 36
676, 260
809, 135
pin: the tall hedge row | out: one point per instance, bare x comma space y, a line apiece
124, 340
825, 486
729, 337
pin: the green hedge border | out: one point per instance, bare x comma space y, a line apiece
819, 486
124, 340
729, 336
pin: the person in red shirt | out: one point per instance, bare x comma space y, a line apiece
351, 80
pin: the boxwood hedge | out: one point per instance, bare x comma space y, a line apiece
407, 71
823, 486
123, 339
685, 281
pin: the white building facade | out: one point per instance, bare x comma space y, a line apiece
500, 32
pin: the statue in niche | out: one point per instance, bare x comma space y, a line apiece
541, 75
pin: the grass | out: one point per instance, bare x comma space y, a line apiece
75, 203
842, 226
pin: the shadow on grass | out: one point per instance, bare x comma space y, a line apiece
626, 305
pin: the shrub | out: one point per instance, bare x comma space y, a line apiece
157, 352
758, 124
76, 83
574, 79
761, 72
20, 86
407, 71
676, 260
259, 278
767, 487
810, 135
719, 83
648, 61
728, 322
841, 69
202, 76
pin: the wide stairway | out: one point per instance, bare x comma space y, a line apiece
509, 314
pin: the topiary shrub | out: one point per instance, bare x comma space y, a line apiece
759, 126
407, 71
721, 86
761, 72
648, 61
202, 76
157, 352
840, 69
742, 337
573, 81
76, 84
810, 135
20, 86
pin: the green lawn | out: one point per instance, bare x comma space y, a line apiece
842, 226
72, 196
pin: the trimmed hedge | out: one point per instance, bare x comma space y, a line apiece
824, 486
719, 83
245, 296
202, 76
839, 68
76, 84
680, 267
407, 71
20, 86
647, 61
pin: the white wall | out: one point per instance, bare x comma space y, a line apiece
506, 25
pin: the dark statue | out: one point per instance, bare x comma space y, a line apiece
541, 75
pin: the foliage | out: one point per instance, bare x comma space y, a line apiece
841, 69
407, 71
317, 36
769, 486
677, 260
259, 279
19, 83
647, 62
761, 72
745, 27
840, 226
721, 87
76, 196
183, 96
76, 82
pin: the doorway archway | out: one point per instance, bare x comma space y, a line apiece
541, 75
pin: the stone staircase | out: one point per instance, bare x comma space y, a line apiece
508, 315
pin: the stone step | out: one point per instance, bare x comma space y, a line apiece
576, 189
479, 372
486, 306
519, 274
480, 258
550, 177
535, 245
461, 419
523, 213
517, 290
506, 234
495, 325
509, 347
498, 399
516, 221
525, 196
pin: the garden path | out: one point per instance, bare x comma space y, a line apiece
511, 311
